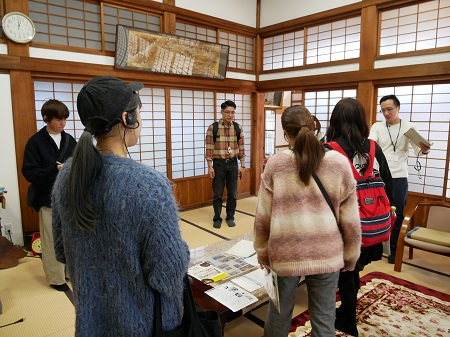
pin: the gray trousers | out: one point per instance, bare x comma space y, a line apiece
54, 270
321, 305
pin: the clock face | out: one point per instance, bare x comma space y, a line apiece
18, 27
36, 246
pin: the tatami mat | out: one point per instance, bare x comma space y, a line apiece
247, 205
49, 313
202, 217
197, 237
25, 294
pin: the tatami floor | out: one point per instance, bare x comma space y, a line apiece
47, 312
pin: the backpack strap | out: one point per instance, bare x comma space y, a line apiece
215, 129
237, 130
371, 158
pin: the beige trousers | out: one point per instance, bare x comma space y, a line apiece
54, 270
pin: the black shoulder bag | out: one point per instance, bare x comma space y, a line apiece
194, 324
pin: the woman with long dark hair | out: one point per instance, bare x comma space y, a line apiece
115, 221
348, 128
296, 233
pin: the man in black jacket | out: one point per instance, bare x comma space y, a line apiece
45, 154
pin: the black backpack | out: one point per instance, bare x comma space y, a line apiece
237, 129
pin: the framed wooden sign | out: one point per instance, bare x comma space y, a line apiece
273, 99
164, 53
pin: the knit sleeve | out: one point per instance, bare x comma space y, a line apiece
261, 231
56, 216
349, 221
165, 255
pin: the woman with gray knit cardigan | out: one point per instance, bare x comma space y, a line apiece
296, 233
115, 221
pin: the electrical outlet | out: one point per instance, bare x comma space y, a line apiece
8, 229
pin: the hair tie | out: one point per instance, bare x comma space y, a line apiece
302, 126
90, 130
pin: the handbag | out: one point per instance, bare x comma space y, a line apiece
194, 323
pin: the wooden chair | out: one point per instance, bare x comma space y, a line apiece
430, 214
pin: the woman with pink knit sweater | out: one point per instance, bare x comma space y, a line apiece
296, 233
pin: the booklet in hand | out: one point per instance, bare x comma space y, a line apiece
416, 138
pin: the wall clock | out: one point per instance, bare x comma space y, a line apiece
18, 27
36, 244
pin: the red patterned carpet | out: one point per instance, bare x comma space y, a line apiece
390, 306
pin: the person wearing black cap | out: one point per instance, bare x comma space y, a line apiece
224, 147
44, 156
115, 221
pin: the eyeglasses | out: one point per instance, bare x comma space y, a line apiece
388, 109
228, 112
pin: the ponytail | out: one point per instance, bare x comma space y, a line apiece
86, 166
308, 150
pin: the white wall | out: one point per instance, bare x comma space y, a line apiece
8, 170
276, 11
239, 11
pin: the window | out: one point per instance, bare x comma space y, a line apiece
113, 16
283, 51
151, 148
195, 32
67, 23
78, 23
321, 103
422, 26
339, 40
427, 107
270, 132
191, 114
241, 50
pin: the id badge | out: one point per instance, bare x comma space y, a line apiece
392, 157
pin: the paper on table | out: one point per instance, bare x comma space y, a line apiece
207, 273
416, 138
271, 286
251, 281
232, 296
253, 260
243, 248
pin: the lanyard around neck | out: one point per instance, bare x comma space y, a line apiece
398, 134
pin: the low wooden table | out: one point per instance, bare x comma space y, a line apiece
205, 302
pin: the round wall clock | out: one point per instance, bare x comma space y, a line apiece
36, 244
18, 27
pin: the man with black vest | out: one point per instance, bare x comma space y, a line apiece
224, 147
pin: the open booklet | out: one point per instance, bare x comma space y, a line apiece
271, 286
416, 138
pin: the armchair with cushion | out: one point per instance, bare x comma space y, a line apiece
434, 216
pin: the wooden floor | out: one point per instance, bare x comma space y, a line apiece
47, 312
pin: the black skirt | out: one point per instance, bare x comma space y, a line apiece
369, 254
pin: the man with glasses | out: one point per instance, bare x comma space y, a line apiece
390, 135
224, 147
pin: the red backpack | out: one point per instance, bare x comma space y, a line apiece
374, 207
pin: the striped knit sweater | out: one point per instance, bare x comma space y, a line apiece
295, 230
